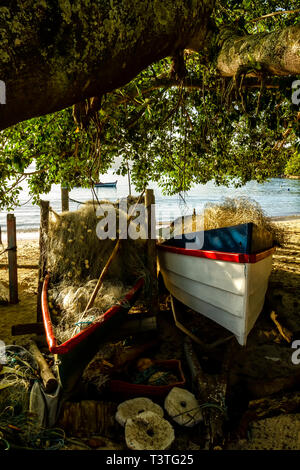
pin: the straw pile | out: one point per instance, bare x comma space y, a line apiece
75, 253
76, 258
230, 212
72, 300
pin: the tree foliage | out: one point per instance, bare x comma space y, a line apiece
178, 123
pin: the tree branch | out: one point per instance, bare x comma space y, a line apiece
275, 13
276, 53
54, 54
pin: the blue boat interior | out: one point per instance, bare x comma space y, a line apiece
243, 238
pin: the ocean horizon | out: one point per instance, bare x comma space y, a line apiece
278, 197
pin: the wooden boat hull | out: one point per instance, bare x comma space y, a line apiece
228, 288
73, 356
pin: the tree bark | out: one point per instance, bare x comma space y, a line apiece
55, 53
276, 53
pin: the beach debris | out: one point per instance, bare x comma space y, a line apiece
210, 390
148, 431
88, 418
285, 333
183, 407
131, 408
268, 407
16, 378
113, 358
49, 381
45, 406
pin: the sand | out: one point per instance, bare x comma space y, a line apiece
280, 432
25, 310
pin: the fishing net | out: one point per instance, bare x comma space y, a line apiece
76, 257
230, 212
16, 378
72, 300
75, 253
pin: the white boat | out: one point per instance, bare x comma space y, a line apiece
227, 285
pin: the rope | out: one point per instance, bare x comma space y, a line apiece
74, 200
13, 248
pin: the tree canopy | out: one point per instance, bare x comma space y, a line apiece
197, 90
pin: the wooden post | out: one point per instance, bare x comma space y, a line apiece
151, 250
64, 199
12, 258
44, 224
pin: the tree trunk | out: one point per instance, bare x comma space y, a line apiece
55, 54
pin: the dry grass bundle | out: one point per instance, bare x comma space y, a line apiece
230, 212
72, 300
76, 254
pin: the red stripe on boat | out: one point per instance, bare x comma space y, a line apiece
219, 255
72, 342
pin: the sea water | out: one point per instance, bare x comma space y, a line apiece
278, 197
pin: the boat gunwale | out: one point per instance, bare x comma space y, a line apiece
219, 255
71, 343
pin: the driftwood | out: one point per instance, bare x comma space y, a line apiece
268, 407
211, 393
49, 381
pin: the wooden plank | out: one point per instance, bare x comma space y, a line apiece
151, 250
27, 329
64, 199
44, 224
20, 266
12, 258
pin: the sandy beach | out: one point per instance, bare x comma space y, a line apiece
284, 281
255, 365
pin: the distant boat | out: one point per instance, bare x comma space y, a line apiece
226, 279
112, 184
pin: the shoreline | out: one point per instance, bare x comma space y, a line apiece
33, 233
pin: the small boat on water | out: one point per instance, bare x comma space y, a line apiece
73, 355
222, 274
112, 184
